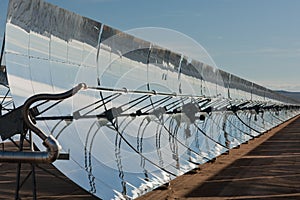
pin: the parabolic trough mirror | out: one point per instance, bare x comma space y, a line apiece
147, 113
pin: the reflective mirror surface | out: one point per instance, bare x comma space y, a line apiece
148, 115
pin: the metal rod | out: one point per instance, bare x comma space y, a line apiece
32, 168
19, 168
49, 142
153, 92
18, 181
33, 182
40, 97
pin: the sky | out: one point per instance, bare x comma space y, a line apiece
258, 40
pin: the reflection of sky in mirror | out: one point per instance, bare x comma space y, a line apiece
3, 6
247, 38
175, 41
144, 136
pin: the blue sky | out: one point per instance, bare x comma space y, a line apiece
258, 40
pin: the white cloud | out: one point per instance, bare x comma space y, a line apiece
83, 2
176, 13
270, 52
100, 1
216, 37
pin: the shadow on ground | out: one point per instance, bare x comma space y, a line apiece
271, 170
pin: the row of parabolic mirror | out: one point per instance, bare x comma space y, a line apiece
149, 114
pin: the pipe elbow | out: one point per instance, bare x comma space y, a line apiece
53, 148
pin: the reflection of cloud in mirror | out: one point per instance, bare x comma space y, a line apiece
175, 41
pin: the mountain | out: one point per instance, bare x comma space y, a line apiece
293, 95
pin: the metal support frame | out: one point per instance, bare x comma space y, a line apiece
20, 121
31, 173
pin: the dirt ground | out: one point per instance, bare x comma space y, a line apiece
51, 183
267, 167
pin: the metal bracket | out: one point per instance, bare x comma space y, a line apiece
20, 120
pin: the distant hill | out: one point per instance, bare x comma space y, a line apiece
293, 95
